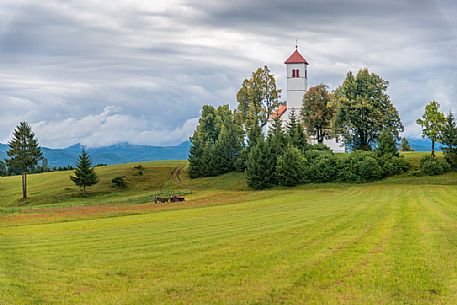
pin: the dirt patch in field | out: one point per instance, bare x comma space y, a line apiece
109, 210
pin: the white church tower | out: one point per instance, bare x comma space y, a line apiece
297, 85
297, 81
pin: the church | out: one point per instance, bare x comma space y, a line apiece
297, 85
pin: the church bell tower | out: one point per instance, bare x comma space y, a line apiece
297, 80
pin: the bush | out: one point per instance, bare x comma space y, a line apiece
433, 167
360, 166
393, 166
118, 182
323, 169
290, 170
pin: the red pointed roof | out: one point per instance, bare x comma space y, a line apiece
280, 111
296, 58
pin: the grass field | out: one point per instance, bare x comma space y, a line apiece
390, 242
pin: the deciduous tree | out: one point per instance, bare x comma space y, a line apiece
365, 110
432, 123
257, 99
318, 111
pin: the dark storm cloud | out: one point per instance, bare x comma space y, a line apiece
113, 71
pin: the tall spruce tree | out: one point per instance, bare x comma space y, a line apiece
387, 146
432, 123
277, 141
296, 133
228, 147
24, 152
449, 140
404, 145
260, 171
85, 175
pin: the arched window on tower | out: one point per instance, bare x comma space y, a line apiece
297, 73
293, 73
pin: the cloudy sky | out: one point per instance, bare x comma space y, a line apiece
138, 71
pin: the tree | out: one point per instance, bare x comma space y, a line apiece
291, 167
387, 145
296, 133
85, 175
260, 171
432, 123
318, 112
257, 98
217, 144
3, 169
365, 110
449, 140
404, 145
228, 147
277, 142
24, 152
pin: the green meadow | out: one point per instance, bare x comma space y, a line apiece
389, 242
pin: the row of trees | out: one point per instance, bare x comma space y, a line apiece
25, 154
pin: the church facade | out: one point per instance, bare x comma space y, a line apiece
297, 85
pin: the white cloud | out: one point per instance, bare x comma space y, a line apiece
77, 68
109, 127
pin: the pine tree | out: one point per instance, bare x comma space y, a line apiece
228, 147
387, 144
196, 152
291, 167
85, 175
404, 145
260, 171
296, 133
449, 140
277, 142
24, 152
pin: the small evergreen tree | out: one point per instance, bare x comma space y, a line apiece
291, 167
277, 142
85, 175
260, 171
24, 152
449, 140
387, 146
3, 169
196, 153
404, 145
296, 133
228, 147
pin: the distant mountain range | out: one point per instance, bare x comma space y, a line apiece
125, 153
114, 154
423, 145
